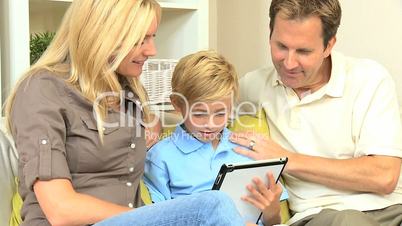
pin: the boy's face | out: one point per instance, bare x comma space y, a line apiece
206, 120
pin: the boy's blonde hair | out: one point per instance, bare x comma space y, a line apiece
204, 76
91, 42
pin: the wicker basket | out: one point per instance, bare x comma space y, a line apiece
156, 77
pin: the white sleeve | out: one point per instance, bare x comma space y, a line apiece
380, 128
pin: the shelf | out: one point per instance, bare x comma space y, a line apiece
164, 4
174, 5
184, 29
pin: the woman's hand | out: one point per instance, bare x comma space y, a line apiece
262, 147
266, 198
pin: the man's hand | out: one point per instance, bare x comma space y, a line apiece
262, 148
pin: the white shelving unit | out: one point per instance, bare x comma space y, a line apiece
14, 38
166, 4
184, 29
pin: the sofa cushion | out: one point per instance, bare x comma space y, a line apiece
251, 123
15, 218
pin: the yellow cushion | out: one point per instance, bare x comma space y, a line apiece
285, 214
145, 196
255, 123
15, 218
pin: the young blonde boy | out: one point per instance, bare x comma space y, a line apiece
204, 88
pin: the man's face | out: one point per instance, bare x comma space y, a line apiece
298, 53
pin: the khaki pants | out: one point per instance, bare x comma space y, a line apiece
390, 216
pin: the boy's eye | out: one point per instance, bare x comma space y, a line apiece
199, 114
220, 114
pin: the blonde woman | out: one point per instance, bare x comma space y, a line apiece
79, 117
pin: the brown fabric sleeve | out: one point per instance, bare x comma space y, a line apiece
39, 129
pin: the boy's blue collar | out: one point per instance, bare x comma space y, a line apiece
187, 143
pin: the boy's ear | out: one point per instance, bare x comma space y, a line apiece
175, 103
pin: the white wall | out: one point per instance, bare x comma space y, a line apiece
242, 32
369, 28
374, 32
213, 24
46, 17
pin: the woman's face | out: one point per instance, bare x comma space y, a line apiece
131, 66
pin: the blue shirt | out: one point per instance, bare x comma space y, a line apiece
181, 164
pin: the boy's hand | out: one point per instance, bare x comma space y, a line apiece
266, 198
250, 224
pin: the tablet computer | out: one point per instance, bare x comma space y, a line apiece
233, 178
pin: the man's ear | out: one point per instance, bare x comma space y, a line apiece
330, 45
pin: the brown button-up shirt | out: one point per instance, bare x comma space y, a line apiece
56, 137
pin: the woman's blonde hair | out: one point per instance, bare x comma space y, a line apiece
204, 76
93, 39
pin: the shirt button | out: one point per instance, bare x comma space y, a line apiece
129, 184
131, 169
130, 205
132, 146
43, 141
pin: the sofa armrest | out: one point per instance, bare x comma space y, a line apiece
8, 172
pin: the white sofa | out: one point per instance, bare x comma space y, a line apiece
8, 171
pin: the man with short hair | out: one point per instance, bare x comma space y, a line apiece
335, 117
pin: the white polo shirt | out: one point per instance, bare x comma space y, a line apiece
355, 114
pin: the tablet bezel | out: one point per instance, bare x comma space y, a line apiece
228, 168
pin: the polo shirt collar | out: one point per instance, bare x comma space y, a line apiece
187, 143
336, 83
276, 80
